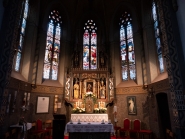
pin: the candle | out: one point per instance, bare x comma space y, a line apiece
115, 108
76, 104
99, 104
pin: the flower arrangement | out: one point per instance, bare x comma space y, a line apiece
90, 95
96, 110
103, 110
78, 110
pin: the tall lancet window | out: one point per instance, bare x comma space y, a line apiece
157, 37
22, 28
127, 48
90, 46
52, 51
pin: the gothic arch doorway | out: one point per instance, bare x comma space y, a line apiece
163, 113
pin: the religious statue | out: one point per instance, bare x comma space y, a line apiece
76, 90
102, 89
89, 88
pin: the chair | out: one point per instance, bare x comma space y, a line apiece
126, 127
39, 132
48, 127
48, 124
136, 128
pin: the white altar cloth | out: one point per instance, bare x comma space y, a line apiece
89, 117
88, 127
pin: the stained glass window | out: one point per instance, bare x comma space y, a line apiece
52, 51
127, 48
22, 26
157, 37
90, 46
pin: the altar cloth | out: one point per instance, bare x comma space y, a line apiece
89, 127
89, 117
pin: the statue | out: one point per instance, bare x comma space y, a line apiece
102, 89
76, 90
89, 88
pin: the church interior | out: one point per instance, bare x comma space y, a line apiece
119, 58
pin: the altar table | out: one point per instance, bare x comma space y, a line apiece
89, 117
92, 130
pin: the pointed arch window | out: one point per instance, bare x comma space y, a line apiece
52, 51
157, 37
127, 48
22, 27
90, 46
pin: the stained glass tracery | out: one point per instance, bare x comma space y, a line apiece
52, 51
157, 37
127, 48
90, 46
23, 21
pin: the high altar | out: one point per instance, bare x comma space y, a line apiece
89, 91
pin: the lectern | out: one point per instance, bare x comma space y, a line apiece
59, 123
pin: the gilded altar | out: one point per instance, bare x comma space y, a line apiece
89, 92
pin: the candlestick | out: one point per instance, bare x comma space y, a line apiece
115, 108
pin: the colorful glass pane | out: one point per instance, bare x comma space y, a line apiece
26, 10
50, 29
127, 48
54, 72
122, 34
123, 53
154, 12
90, 46
129, 31
161, 65
18, 60
22, 26
93, 51
124, 73
86, 50
93, 57
157, 36
51, 60
86, 57
132, 70
46, 71
20, 43
86, 38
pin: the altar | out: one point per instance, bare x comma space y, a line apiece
91, 130
89, 117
